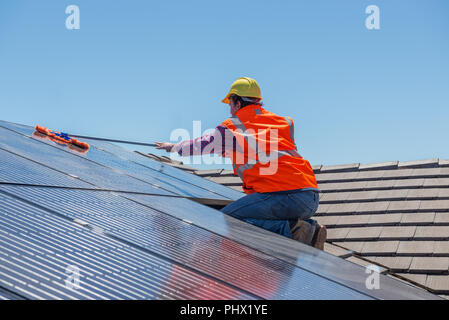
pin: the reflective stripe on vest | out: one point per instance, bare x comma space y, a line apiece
290, 124
274, 155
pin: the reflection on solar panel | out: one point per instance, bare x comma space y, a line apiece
126, 226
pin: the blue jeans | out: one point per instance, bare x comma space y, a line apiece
275, 211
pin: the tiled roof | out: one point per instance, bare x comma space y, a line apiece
393, 214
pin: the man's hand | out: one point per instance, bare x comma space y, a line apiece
165, 145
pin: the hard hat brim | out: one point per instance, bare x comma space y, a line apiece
226, 99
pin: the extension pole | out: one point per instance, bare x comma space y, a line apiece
113, 140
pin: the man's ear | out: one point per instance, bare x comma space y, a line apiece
238, 104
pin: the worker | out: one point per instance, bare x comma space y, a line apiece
282, 192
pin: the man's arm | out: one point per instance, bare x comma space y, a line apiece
217, 142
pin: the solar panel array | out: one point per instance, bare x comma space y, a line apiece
112, 224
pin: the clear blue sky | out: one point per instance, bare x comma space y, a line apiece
138, 69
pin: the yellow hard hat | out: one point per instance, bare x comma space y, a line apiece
244, 87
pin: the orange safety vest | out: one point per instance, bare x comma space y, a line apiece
266, 157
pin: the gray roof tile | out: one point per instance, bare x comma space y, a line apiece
227, 173
423, 193
430, 264
443, 163
403, 206
380, 248
226, 180
323, 196
380, 184
441, 217
342, 186
352, 245
418, 278
435, 205
362, 195
348, 208
340, 176
409, 183
323, 208
327, 220
340, 167
397, 233
441, 248
337, 251
211, 173
329, 186
443, 193
444, 171
379, 165
355, 185
337, 233
418, 163
432, 232
413, 248
364, 233
426, 172
376, 206
397, 194
385, 218
374, 174
418, 218
436, 182
354, 220
336, 196
396, 264
439, 283
400, 173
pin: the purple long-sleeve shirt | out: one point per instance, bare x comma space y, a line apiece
220, 141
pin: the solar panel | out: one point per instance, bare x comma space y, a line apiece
142, 168
88, 171
16, 169
196, 248
37, 248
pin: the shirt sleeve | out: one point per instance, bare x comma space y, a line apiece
217, 143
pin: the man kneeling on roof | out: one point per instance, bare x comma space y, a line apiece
282, 192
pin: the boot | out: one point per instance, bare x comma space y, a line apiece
303, 232
319, 237
314, 235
